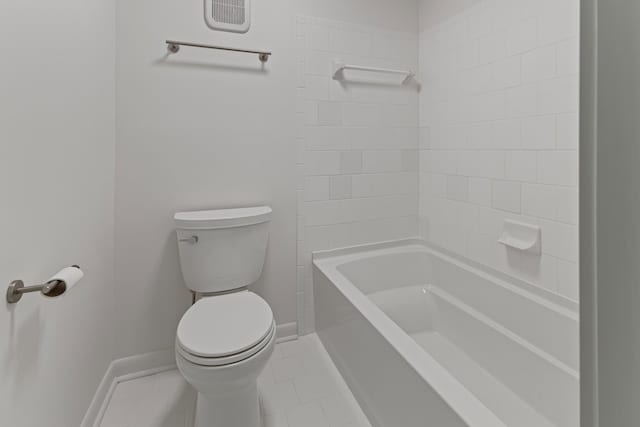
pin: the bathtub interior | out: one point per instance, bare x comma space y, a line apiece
516, 352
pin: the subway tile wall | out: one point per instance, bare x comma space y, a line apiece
499, 135
358, 144
491, 135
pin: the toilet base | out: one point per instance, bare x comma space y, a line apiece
239, 408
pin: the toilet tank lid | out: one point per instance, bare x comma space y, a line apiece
222, 218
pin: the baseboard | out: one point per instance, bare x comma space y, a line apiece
121, 370
287, 332
143, 365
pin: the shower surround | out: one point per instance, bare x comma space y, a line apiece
490, 135
499, 118
497, 141
358, 144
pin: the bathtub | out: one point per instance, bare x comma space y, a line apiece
426, 339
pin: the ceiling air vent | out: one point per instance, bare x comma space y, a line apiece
228, 15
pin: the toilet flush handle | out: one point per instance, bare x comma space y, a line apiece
193, 240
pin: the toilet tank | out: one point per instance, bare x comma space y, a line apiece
222, 250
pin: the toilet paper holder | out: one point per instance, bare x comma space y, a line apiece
51, 289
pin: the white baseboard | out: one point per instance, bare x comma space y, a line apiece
121, 370
287, 332
143, 365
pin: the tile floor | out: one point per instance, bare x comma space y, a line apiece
300, 387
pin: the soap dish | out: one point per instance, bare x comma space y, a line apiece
522, 237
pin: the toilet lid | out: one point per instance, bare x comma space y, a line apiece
225, 325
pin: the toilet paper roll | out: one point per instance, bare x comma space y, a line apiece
68, 278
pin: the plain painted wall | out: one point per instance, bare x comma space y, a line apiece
588, 214
614, 62
205, 129
56, 183
202, 129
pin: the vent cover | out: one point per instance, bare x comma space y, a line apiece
228, 15
229, 11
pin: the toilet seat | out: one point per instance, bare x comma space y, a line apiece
225, 329
227, 360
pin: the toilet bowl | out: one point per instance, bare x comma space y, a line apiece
222, 345
226, 338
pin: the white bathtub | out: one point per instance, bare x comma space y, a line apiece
425, 339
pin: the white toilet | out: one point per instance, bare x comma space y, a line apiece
225, 339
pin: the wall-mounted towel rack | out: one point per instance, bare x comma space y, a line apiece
339, 68
174, 47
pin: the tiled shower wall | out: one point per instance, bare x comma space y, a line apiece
358, 145
499, 127
497, 136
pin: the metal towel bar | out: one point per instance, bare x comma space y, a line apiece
174, 47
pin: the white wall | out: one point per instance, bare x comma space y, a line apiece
358, 143
500, 132
205, 129
56, 182
435, 12
391, 15
202, 129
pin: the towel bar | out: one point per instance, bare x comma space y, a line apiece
174, 47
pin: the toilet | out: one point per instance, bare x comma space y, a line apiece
226, 338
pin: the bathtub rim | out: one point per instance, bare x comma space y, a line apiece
545, 296
461, 401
